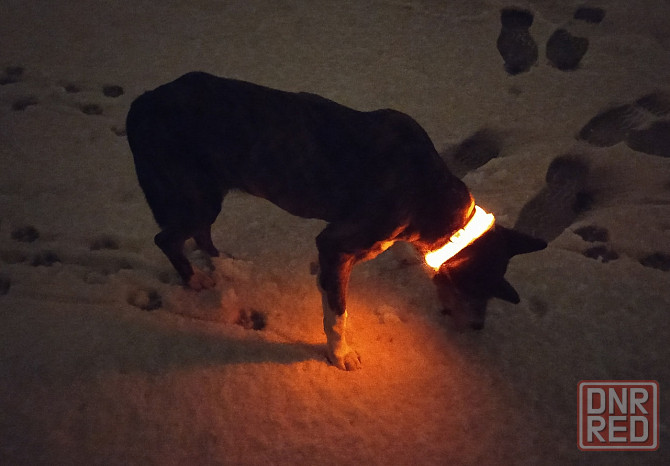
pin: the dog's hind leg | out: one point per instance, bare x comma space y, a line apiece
171, 242
203, 239
191, 212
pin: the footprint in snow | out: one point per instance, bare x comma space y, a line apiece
104, 242
652, 140
473, 152
23, 103
515, 44
145, 299
25, 234
112, 90
557, 205
602, 253
11, 75
657, 260
612, 125
643, 125
590, 14
593, 234
565, 51
91, 109
45, 259
251, 319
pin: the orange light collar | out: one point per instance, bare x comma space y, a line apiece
480, 223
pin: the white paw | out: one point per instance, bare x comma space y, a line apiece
349, 361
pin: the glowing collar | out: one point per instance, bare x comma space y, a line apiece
480, 223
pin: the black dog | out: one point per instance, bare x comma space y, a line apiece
375, 177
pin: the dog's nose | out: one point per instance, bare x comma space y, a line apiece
477, 325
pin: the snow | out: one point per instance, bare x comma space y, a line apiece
105, 359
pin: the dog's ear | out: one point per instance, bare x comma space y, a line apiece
506, 292
521, 243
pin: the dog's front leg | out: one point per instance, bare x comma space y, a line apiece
334, 324
334, 270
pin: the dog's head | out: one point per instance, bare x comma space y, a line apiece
476, 274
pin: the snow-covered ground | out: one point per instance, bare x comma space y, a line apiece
105, 359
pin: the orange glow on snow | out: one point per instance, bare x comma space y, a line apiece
480, 223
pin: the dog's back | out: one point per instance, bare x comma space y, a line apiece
197, 137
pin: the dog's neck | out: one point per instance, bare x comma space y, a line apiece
478, 222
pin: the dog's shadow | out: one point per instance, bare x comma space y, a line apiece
164, 350
152, 345
171, 350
